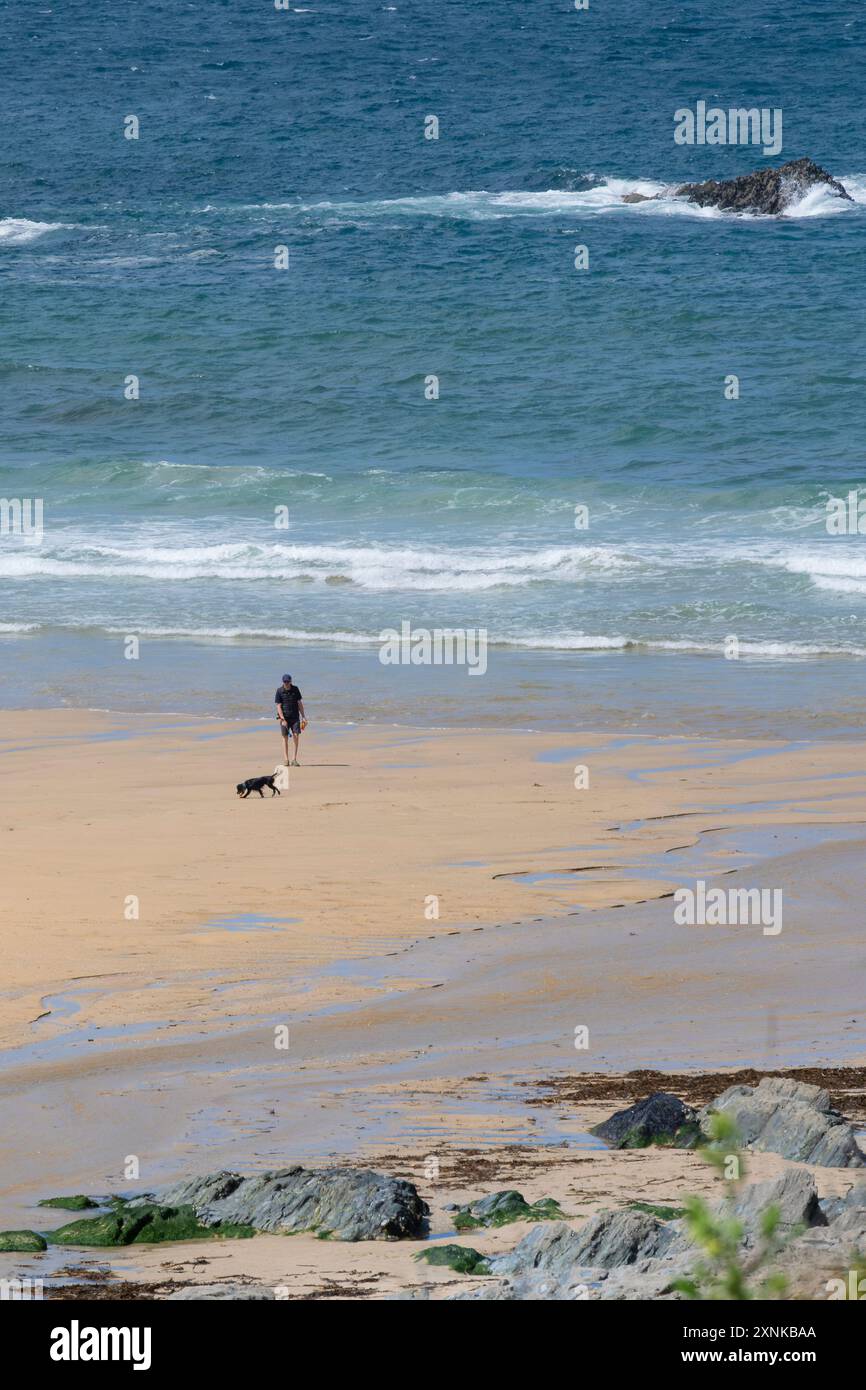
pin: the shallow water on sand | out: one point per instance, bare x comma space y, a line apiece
637, 694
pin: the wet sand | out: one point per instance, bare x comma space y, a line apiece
155, 1036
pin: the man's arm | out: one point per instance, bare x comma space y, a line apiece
301, 710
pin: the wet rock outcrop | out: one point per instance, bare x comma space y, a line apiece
659, 1119
778, 1115
767, 191
336, 1203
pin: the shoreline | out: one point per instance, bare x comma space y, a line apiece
665, 695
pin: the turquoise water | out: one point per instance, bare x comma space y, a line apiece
304, 388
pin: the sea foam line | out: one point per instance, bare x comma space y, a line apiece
571, 642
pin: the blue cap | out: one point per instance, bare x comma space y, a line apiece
287, 678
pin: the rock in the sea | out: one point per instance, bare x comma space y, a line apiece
660, 1119
235, 1292
767, 191
789, 1118
501, 1208
22, 1242
335, 1203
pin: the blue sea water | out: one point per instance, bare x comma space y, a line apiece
304, 388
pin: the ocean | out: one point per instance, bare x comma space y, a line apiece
284, 373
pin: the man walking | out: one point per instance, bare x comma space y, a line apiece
290, 712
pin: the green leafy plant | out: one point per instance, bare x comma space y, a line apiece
727, 1271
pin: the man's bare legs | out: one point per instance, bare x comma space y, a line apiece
284, 730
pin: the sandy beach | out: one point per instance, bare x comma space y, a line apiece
431, 915
513, 405
582, 1180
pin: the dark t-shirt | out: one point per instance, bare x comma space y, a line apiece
289, 701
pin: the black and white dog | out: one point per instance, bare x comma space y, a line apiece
255, 784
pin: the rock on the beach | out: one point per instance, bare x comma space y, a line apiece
77, 1203
556, 1263
613, 1238
531, 1288
847, 1214
790, 1118
501, 1208
542, 1266
550, 1249
627, 1254
22, 1242
768, 191
828, 1253
461, 1258
660, 1118
607, 1240
235, 1292
143, 1223
336, 1203
793, 1194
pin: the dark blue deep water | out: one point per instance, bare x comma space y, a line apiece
262, 388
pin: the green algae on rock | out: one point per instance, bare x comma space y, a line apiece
461, 1258
501, 1208
77, 1203
661, 1118
22, 1242
143, 1225
661, 1213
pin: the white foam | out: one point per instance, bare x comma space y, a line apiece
368, 567
844, 571
756, 649
820, 201
604, 195
19, 231
555, 642
271, 634
572, 642
855, 186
